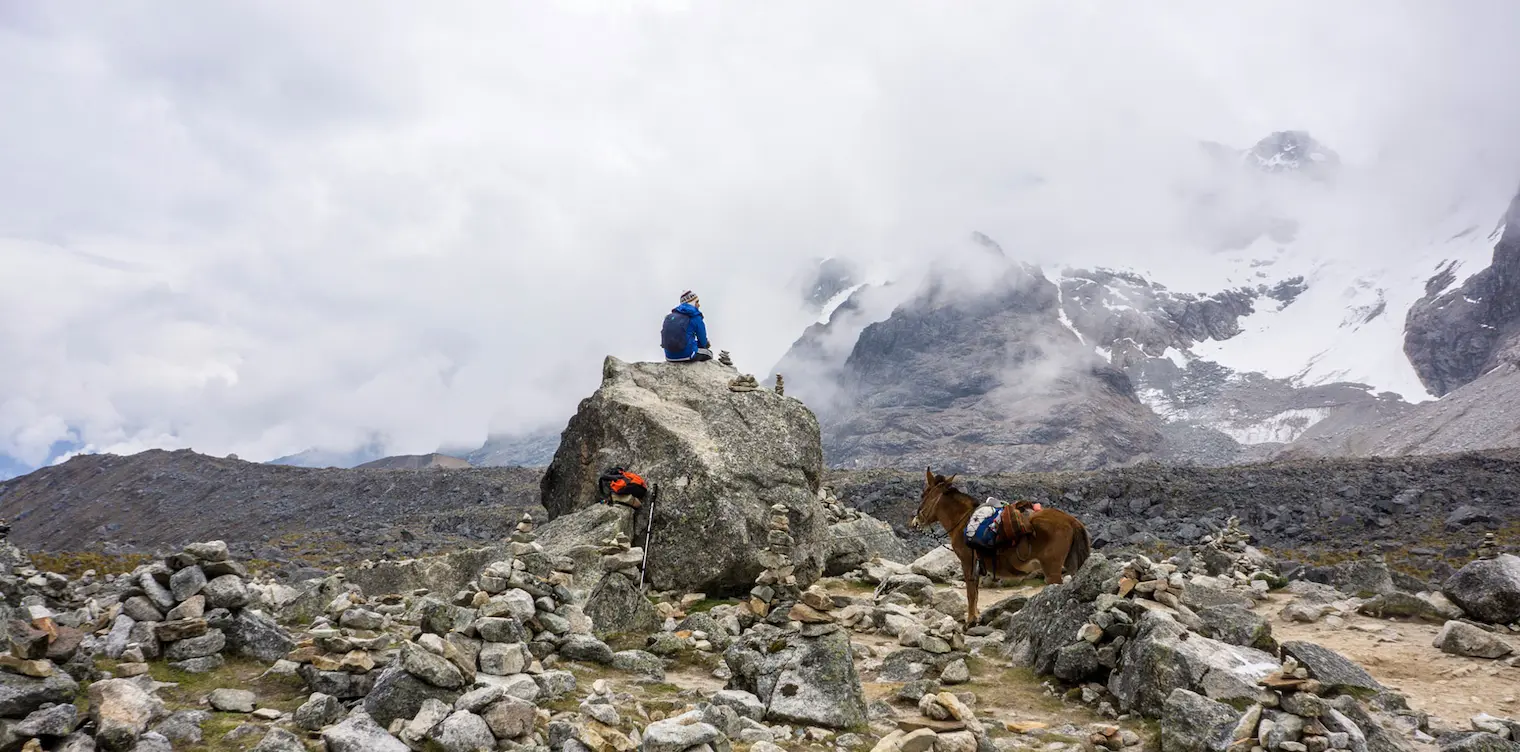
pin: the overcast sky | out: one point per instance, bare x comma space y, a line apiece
257, 227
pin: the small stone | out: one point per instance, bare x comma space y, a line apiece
957, 672
232, 700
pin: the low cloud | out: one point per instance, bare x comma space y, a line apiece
259, 227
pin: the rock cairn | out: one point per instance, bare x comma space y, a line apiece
777, 582
460, 673
616, 604
744, 383
833, 509
780, 385
189, 609
524, 531
1489, 548
724, 358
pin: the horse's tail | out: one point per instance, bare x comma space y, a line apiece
1080, 549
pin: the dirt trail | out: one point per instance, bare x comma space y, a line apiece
1401, 655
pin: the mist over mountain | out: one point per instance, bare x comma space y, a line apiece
282, 232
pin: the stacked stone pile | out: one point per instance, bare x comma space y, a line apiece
189, 609
777, 582
1309, 706
616, 604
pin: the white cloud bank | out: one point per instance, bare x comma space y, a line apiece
257, 227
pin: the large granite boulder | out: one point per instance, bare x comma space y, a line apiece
852, 543
801, 680
1191, 722
1488, 589
721, 460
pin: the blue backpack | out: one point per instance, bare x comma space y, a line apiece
673, 336
982, 528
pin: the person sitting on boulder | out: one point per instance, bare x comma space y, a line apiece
684, 334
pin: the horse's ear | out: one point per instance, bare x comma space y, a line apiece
928, 476
950, 479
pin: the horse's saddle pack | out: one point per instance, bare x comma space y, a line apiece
998, 524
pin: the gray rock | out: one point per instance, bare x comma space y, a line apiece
156, 592
939, 565
22, 695
743, 703
1378, 738
601, 713
361, 618
193, 607
152, 742
518, 604
121, 710
186, 582
1074, 663
339, 684
210, 643
253, 634
141, 609
639, 662
462, 731
738, 453
499, 629
957, 672
1191, 722
1238, 625
183, 727
1481, 742
227, 591
1199, 597
360, 733
510, 717
208, 551
232, 700
1402, 605
1334, 670
587, 649
1363, 578
555, 684
280, 740
677, 735
1460, 638
1488, 589
1159, 660
504, 659
433, 669
477, 699
398, 694
58, 720
1050, 620
119, 636
809, 680
617, 606
318, 712
852, 543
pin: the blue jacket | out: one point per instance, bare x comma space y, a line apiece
696, 333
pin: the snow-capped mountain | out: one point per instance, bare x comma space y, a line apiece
1280, 306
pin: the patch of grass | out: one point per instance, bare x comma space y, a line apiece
76, 563
283, 693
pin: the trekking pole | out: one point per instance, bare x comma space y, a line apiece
648, 532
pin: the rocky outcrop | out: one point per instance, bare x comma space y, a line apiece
805, 680
1453, 336
1488, 589
980, 379
720, 458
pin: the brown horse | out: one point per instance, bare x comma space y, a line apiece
1045, 539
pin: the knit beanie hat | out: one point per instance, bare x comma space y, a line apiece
688, 297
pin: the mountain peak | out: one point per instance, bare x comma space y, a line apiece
1287, 151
